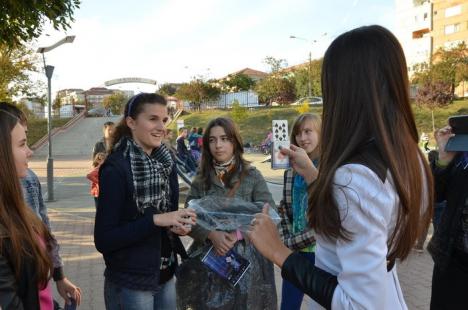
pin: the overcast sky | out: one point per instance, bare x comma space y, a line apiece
171, 41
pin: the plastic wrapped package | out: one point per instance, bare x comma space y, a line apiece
199, 287
227, 214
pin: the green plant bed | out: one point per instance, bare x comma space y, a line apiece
255, 126
37, 128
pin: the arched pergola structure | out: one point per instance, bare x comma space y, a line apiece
130, 80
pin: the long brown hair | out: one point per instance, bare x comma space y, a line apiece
206, 165
20, 228
365, 95
133, 108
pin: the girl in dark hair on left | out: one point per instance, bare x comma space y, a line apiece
137, 221
25, 266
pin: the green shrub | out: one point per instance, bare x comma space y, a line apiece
238, 112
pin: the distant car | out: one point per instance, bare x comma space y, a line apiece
310, 100
97, 112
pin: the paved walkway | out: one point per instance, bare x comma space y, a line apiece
77, 140
72, 217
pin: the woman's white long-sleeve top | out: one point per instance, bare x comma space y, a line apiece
368, 209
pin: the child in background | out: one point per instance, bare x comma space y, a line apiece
295, 232
93, 176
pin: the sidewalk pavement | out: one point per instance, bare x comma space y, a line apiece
72, 218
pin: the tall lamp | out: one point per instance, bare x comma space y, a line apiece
49, 70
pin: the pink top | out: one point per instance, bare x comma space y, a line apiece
45, 298
45, 295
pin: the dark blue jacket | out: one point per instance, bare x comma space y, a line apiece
129, 241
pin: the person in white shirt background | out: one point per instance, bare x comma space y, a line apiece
369, 202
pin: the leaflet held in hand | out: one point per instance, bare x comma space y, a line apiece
231, 266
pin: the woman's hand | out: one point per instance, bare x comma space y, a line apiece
442, 136
181, 219
68, 290
181, 230
301, 163
222, 241
265, 237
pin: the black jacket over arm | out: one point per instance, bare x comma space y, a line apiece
17, 295
315, 282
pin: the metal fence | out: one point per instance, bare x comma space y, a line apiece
67, 114
247, 99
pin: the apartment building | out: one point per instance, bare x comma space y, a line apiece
71, 96
425, 26
450, 23
95, 96
414, 25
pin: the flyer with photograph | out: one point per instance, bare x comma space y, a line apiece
231, 266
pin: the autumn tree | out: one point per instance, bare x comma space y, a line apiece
276, 88
197, 91
449, 67
15, 65
235, 82
275, 64
115, 102
57, 103
303, 73
168, 89
23, 20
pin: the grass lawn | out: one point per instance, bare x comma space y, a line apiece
37, 128
256, 125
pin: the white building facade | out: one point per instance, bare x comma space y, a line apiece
414, 25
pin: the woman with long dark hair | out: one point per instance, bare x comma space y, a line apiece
137, 221
25, 266
373, 186
225, 173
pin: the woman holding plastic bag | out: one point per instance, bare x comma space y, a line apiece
225, 173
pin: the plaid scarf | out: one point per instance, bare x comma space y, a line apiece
150, 175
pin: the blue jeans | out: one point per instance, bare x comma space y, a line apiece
120, 298
291, 296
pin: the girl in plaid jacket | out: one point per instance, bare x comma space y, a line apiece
294, 229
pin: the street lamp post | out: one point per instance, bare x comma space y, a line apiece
309, 81
49, 70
